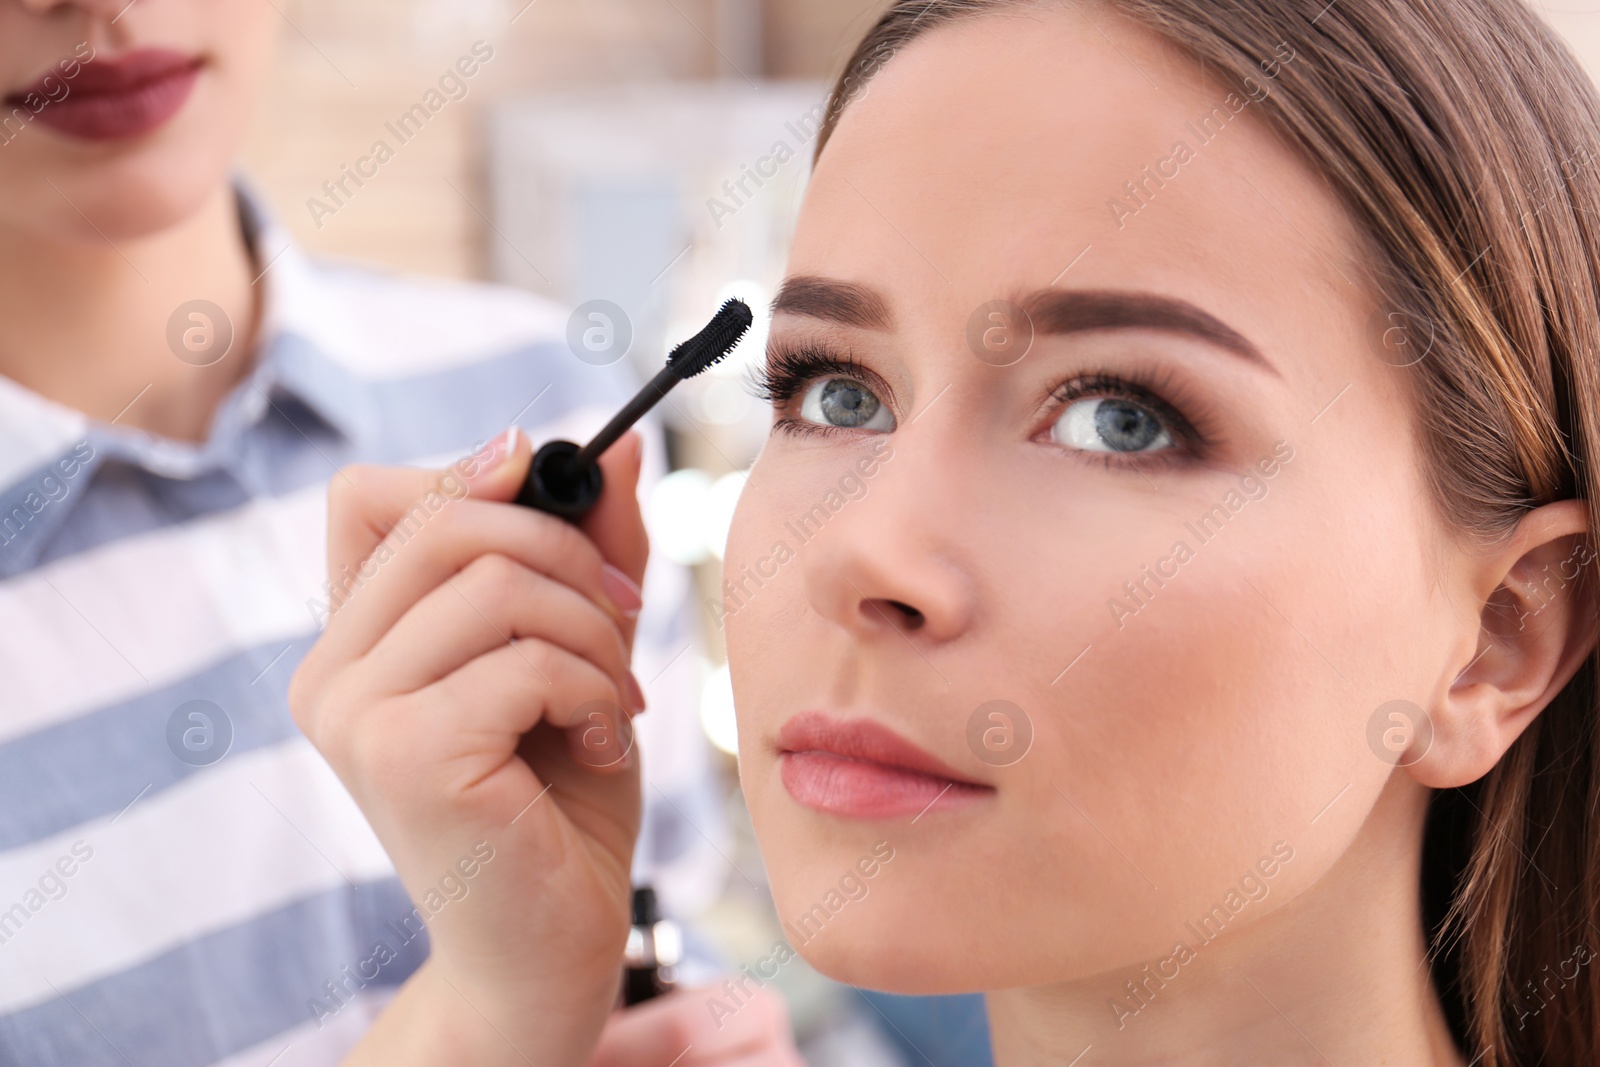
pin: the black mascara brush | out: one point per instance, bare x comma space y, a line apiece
565, 480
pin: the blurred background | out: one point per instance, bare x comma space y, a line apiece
640, 161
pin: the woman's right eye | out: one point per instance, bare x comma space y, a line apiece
844, 403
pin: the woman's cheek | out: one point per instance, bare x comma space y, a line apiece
755, 584
1209, 699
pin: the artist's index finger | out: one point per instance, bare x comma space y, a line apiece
367, 502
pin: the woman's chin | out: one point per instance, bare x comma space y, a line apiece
888, 966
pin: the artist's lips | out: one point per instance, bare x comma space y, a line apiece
112, 97
860, 769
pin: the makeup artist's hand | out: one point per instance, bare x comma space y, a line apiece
467, 694
681, 1030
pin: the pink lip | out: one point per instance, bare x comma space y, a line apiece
860, 769
114, 97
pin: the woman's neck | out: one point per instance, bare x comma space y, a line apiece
86, 324
1336, 975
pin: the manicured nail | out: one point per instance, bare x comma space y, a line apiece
635, 694
622, 590
503, 448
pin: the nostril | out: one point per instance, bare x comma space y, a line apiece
911, 616
896, 613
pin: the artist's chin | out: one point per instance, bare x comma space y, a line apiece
140, 188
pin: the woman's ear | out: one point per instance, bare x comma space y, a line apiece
1536, 624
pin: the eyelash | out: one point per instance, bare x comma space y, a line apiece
788, 371
1195, 434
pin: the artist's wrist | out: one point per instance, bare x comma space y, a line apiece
448, 1019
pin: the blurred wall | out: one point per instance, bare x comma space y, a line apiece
348, 67
1579, 22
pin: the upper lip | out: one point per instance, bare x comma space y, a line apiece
866, 740
109, 75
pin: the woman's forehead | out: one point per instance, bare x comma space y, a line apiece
1014, 153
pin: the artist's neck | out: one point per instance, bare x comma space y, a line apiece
85, 322
1334, 975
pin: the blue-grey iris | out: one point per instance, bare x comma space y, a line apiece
1125, 426
845, 403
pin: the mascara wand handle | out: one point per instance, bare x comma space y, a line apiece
631, 413
564, 479
559, 484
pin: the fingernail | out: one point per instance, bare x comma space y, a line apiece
622, 590
500, 450
635, 694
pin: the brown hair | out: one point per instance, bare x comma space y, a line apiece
1460, 134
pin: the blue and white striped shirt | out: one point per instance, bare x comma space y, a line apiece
183, 881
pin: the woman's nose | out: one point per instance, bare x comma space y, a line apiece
893, 559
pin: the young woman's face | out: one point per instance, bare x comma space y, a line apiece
1182, 536
126, 114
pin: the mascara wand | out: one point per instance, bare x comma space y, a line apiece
565, 480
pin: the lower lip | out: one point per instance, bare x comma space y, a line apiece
109, 116
861, 789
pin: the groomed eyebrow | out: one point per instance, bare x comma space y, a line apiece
1058, 311
844, 303
1053, 311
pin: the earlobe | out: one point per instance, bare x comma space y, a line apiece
1536, 625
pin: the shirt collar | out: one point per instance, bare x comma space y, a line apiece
302, 326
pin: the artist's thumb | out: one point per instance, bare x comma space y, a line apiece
496, 471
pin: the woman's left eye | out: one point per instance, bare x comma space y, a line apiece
846, 404
1110, 424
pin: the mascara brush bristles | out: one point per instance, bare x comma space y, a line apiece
718, 337
714, 341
